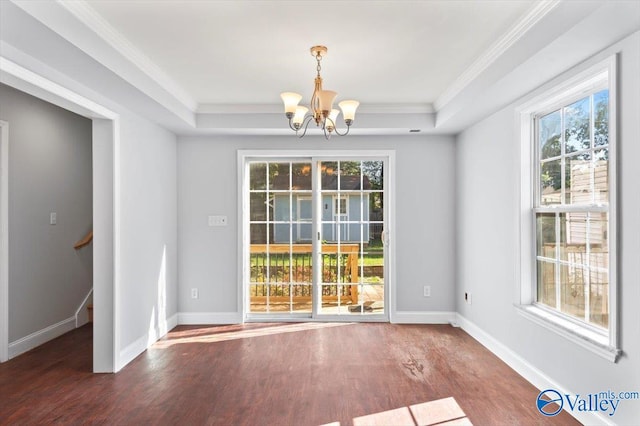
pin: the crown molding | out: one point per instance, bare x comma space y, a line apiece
538, 11
277, 109
214, 108
92, 19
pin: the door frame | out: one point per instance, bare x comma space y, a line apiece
244, 156
106, 208
4, 241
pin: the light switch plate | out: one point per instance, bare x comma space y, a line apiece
217, 221
53, 218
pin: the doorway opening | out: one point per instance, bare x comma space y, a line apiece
105, 170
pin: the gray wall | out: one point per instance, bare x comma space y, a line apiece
147, 212
49, 171
425, 215
487, 197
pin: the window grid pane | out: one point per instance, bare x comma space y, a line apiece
572, 246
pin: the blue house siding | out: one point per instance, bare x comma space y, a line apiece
302, 232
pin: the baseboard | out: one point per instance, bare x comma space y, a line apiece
209, 318
82, 316
418, 317
142, 343
536, 377
36, 339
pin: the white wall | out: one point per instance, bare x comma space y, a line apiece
141, 160
147, 275
49, 171
487, 241
207, 185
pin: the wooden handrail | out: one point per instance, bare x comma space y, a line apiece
303, 248
83, 242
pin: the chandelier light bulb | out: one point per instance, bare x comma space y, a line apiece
298, 117
326, 100
291, 101
332, 119
349, 110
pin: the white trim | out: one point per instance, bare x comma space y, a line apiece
388, 238
571, 330
106, 166
82, 316
418, 317
243, 238
336, 218
36, 339
93, 20
212, 108
586, 80
388, 156
321, 318
538, 11
117, 251
64, 97
536, 377
4, 241
205, 318
144, 342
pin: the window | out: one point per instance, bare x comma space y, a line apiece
572, 209
340, 205
568, 209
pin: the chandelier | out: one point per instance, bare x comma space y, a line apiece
321, 106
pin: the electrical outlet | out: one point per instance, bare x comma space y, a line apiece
194, 293
53, 218
427, 291
467, 298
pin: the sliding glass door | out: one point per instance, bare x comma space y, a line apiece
280, 250
314, 241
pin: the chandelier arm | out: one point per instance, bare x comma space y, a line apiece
327, 136
291, 126
335, 128
307, 119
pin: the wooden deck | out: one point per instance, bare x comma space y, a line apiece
373, 295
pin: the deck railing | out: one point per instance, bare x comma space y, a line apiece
281, 271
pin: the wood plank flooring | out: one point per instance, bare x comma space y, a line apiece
272, 374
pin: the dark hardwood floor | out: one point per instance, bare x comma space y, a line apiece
271, 374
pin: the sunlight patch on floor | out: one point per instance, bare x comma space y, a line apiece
441, 412
212, 335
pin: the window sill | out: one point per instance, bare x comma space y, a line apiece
583, 336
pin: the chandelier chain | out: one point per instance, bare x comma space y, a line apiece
319, 67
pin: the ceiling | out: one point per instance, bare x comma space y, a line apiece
247, 52
218, 67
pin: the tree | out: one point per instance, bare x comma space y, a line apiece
577, 136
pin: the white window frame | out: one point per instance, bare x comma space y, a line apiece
337, 199
581, 84
389, 156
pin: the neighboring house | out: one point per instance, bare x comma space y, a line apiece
345, 213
